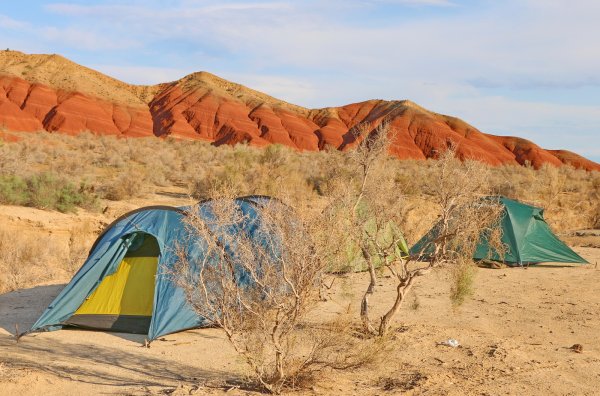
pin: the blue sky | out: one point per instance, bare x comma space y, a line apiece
527, 68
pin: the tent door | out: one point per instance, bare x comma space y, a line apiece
123, 301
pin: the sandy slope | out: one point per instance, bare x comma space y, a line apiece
515, 334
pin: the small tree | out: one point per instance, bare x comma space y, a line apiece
372, 210
369, 208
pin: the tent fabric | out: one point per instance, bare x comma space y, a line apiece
110, 256
525, 233
129, 291
134, 324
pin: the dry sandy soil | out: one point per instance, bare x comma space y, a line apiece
515, 334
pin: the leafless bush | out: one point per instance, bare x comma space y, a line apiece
369, 208
257, 286
465, 217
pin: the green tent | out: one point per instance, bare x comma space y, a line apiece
526, 234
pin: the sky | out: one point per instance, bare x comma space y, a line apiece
528, 68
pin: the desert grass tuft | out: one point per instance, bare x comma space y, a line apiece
462, 281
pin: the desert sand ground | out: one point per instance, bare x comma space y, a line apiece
515, 334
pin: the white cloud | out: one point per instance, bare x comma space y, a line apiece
525, 44
182, 9
292, 90
439, 3
10, 23
87, 40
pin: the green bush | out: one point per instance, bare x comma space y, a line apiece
13, 190
463, 277
45, 191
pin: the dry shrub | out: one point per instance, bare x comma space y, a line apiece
458, 190
561, 191
595, 197
402, 382
12, 158
321, 349
46, 191
595, 216
128, 185
569, 195
250, 171
370, 210
365, 215
220, 180
258, 287
22, 261
464, 218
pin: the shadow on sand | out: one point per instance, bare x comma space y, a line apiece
533, 266
554, 265
84, 361
171, 194
101, 365
23, 307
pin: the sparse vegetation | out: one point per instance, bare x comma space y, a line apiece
569, 196
60, 172
21, 259
27, 260
367, 211
45, 191
357, 211
464, 215
126, 186
371, 210
256, 279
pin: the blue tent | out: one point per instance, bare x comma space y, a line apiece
124, 284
